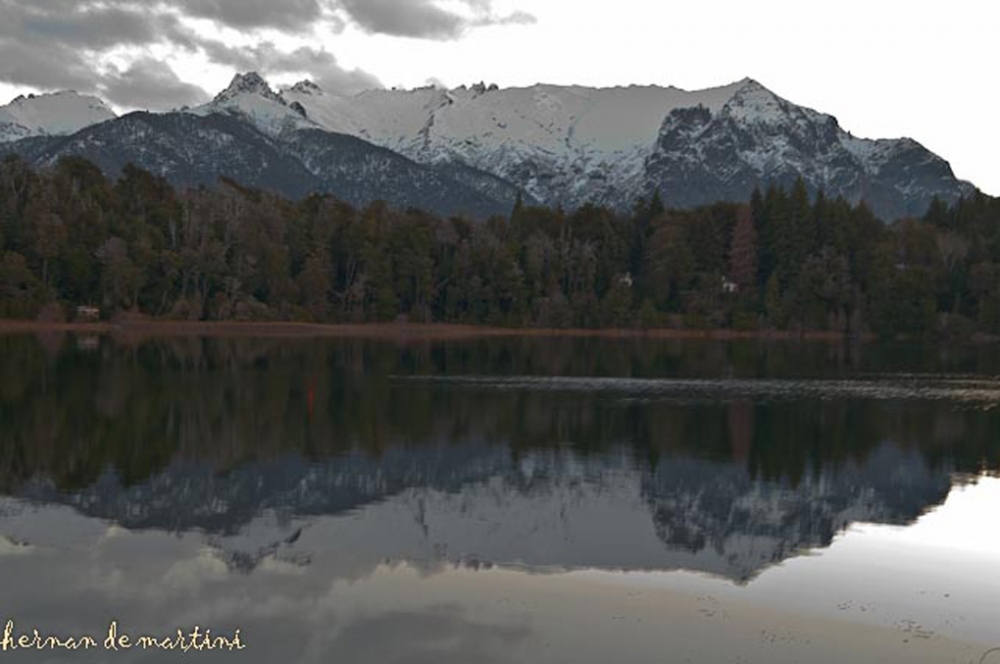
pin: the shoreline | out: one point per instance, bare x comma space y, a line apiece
395, 331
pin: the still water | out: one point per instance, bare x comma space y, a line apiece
501, 500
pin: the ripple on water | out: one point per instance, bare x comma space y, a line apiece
972, 391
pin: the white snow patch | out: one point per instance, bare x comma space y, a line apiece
52, 114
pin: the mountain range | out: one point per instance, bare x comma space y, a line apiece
477, 504
474, 150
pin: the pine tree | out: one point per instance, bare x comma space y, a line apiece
803, 227
743, 250
937, 213
655, 205
774, 304
515, 214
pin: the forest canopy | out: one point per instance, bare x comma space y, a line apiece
69, 236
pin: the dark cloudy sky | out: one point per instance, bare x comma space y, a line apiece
885, 68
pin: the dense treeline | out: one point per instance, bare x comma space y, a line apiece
69, 236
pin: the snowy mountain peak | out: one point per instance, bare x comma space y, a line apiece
306, 87
250, 97
747, 83
758, 138
481, 88
250, 83
752, 102
52, 114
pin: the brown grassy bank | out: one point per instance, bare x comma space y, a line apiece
391, 331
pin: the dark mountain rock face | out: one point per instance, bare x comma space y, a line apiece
193, 150
359, 172
186, 149
758, 139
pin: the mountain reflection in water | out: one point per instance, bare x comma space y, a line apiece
531, 454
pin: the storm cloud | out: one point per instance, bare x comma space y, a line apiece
288, 15
58, 44
423, 18
151, 84
321, 65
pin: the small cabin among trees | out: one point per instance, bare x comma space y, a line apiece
87, 314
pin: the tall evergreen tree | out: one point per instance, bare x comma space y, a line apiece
743, 250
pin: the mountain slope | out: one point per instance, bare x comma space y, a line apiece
191, 149
360, 172
184, 148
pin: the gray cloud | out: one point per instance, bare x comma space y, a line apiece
320, 65
95, 29
151, 84
46, 67
423, 18
516, 18
86, 27
284, 15
441, 634
55, 44
75, 19
404, 18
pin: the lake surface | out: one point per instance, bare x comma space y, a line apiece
502, 500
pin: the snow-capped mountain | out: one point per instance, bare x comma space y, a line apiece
561, 144
570, 145
757, 138
252, 135
250, 97
474, 148
477, 504
53, 114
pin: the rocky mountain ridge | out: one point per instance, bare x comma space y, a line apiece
558, 145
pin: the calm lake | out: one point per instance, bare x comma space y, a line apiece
501, 500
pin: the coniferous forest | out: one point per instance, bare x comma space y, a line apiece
784, 260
